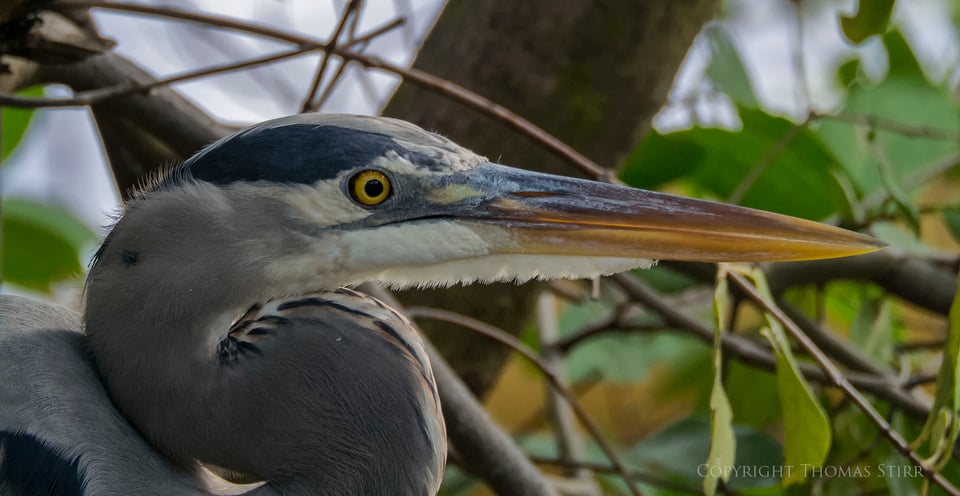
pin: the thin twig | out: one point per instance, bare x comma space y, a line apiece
920, 345
837, 379
851, 356
342, 68
583, 386
555, 381
890, 125
351, 10
569, 442
775, 150
86, 98
919, 380
427, 81
753, 354
641, 476
611, 323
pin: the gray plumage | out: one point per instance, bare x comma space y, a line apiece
217, 328
51, 393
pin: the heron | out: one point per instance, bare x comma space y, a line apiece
220, 327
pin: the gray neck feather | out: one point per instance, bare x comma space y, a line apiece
324, 406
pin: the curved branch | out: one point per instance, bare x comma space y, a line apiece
427, 81
555, 381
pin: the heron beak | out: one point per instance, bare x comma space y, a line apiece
555, 215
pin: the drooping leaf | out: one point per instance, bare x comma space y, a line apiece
723, 442
726, 69
806, 427
796, 181
14, 123
753, 395
41, 243
872, 18
943, 425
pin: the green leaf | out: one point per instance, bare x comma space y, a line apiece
680, 448
726, 69
806, 427
890, 183
797, 181
872, 18
848, 72
896, 235
951, 217
943, 427
905, 97
628, 356
666, 279
753, 395
14, 123
872, 329
631, 357
723, 442
41, 243
850, 207
806, 436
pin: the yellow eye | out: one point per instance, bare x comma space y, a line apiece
370, 187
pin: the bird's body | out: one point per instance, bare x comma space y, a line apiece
218, 328
59, 432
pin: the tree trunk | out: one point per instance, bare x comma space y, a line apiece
591, 72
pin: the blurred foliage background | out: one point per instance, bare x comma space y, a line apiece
879, 155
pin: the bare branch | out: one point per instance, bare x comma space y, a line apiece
890, 125
638, 475
555, 381
569, 443
349, 11
91, 97
840, 350
422, 79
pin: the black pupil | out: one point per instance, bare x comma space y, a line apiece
373, 188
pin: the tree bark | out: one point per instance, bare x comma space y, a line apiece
591, 72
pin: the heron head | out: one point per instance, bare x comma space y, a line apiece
340, 199
313, 202
352, 198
